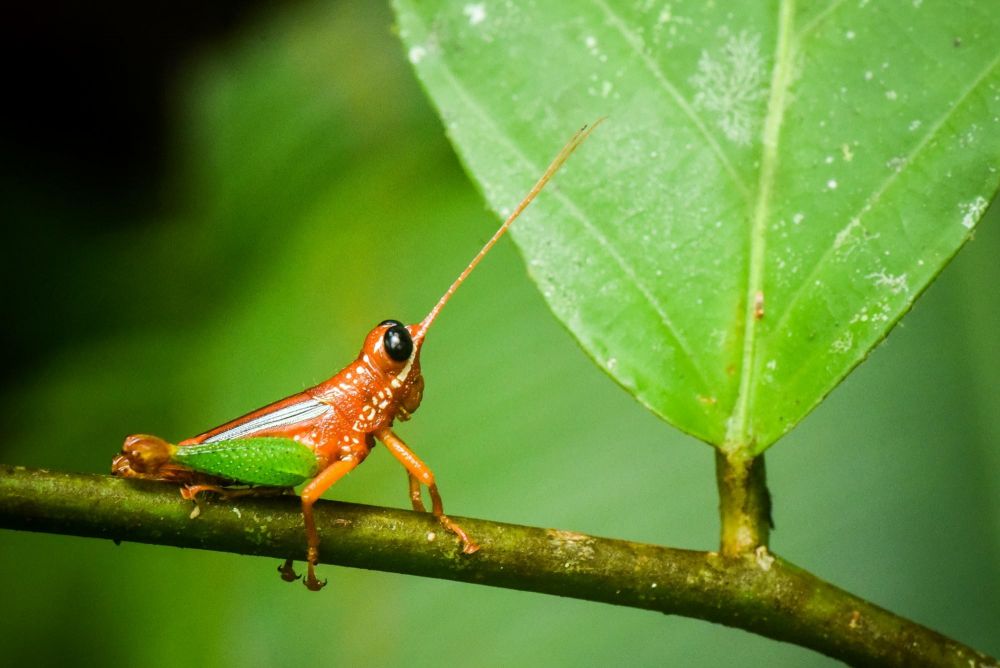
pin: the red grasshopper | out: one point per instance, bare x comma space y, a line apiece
322, 433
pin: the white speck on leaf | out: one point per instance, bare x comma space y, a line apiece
849, 34
896, 164
843, 343
417, 54
590, 41
869, 75
971, 211
891, 95
476, 13
969, 136
730, 84
914, 125
846, 233
831, 184
895, 284
851, 237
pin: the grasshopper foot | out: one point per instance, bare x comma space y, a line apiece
288, 573
468, 545
311, 583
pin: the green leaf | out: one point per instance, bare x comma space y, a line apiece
774, 187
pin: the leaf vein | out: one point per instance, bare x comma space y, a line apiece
819, 19
603, 243
635, 43
873, 200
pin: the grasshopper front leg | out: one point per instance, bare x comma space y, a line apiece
419, 473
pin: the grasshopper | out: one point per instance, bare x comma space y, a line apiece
321, 434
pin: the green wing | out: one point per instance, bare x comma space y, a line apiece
270, 461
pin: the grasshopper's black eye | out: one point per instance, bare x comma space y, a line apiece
397, 341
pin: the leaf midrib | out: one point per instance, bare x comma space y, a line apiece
738, 433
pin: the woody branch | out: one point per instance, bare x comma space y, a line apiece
755, 591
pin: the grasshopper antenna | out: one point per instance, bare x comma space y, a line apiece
553, 167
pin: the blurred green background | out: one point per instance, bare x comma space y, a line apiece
193, 236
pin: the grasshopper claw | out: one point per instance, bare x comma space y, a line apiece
288, 573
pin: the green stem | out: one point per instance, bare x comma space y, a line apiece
756, 591
744, 503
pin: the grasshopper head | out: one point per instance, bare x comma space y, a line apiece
394, 349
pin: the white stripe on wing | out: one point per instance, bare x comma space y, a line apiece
306, 409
